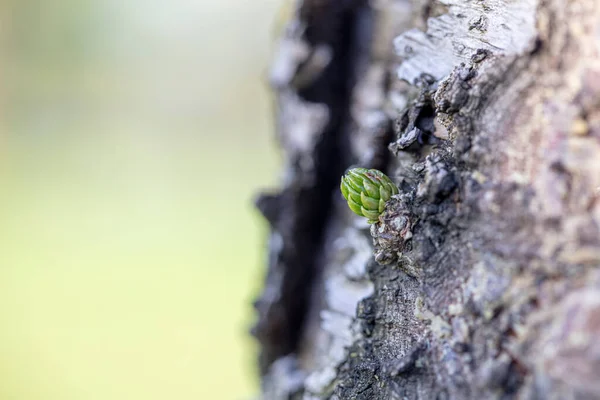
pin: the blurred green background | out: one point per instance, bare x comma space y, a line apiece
133, 137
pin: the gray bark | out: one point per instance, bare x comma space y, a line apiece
481, 278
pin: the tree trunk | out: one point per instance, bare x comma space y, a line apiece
481, 279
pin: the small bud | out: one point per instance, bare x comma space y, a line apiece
367, 191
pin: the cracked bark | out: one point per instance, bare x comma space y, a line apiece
481, 278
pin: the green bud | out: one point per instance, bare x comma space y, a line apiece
367, 191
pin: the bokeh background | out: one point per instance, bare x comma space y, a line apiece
133, 137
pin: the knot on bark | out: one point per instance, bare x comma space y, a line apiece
392, 231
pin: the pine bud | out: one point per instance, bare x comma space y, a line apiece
367, 191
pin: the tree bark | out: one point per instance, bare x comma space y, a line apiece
481, 279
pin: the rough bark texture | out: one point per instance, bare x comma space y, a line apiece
481, 278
